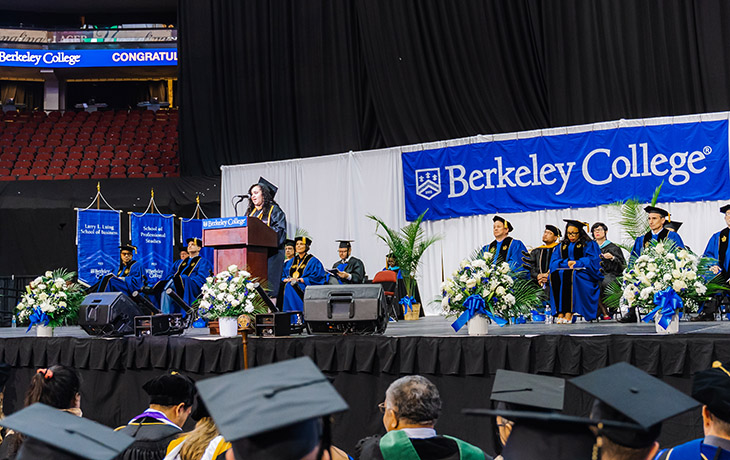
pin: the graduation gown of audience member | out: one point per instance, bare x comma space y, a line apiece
128, 278
644, 241
310, 271
434, 448
151, 438
508, 250
576, 291
718, 249
188, 277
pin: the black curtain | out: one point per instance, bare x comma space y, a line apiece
288, 79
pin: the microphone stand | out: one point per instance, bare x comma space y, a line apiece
235, 205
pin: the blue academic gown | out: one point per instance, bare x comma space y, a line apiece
514, 254
585, 289
312, 274
639, 243
186, 281
124, 282
713, 251
692, 450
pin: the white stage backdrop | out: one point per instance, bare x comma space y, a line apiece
331, 196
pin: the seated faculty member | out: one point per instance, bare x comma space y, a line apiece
186, 277
612, 261
350, 270
411, 408
504, 247
711, 388
575, 274
718, 249
171, 400
302, 271
129, 276
539, 258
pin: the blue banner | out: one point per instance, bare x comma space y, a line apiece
98, 237
193, 228
154, 236
87, 58
569, 170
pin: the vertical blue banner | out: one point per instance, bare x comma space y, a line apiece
98, 236
193, 228
154, 236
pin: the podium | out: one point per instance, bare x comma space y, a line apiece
244, 241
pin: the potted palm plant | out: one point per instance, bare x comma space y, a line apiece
407, 246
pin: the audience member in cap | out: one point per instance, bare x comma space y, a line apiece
538, 260
410, 411
203, 443
712, 389
612, 261
504, 247
128, 278
718, 249
171, 401
186, 278
57, 387
575, 274
302, 271
350, 270
657, 217
263, 207
638, 402
283, 414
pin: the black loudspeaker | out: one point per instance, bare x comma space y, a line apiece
108, 314
343, 309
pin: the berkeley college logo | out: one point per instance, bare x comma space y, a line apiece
428, 182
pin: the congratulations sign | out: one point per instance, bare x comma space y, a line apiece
568, 170
88, 58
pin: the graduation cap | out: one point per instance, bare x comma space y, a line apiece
725, 208
520, 390
198, 242
345, 244
712, 388
128, 247
304, 239
655, 210
554, 229
504, 221
576, 223
60, 435
628, 394
289, 242
674, 225
182, 248
171, 389
272, 188
279, 414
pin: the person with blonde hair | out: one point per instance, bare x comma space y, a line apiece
203, 443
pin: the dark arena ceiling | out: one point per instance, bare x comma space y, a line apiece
67, 13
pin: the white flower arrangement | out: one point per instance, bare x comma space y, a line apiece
50, 300
663, 266
505, 292
230, 293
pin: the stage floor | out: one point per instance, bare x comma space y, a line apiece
438, 326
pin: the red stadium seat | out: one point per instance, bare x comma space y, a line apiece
61, 177
4, 171
98, 175
132, 175
168, 169
54, 171
40, 163
154, 175
73, 162
7, 164
19, 172
119, 170
106, 154
8, 156
44, 177
80, 176
87, 170
57, 164
37, 171
26, 177
22, 164
12, 178
151, 170
119, 162
70, 170
88, 162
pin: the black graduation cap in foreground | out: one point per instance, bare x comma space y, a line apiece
273, 411
655, 210
60, 435
272, 188
626, 393
522, 390
712, 388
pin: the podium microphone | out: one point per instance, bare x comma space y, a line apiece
239, 198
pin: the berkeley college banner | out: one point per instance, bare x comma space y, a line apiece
154, 236
98, 233
193, 228
569, 170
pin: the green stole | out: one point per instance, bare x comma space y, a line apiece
396, 445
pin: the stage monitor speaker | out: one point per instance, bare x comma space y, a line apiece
108, 314
343, 309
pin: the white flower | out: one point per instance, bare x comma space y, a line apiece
509, 299
691, 275
244, 274
221, 296
659, 249
650, 275
232, 268
232, 288
222, 286
700, 288
62, 304
42, 286
445, 301
678, 285
667, 277
471, 282
42, 296
645, 293
464, 278
205, 304
479, 263
230, 298
248, 308
504, 267
652, 267
49, 274
209, 279
235, 302
500, 291
458, 297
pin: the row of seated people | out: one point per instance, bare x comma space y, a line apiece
286, 413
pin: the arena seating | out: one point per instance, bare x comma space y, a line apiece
82, 145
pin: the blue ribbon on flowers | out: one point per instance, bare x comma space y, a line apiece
475, 305
668, 303
407, 303
38, 317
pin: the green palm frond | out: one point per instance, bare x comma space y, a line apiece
655, 196
633, 219
300, 232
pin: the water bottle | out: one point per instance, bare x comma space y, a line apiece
548, 314
14, 323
